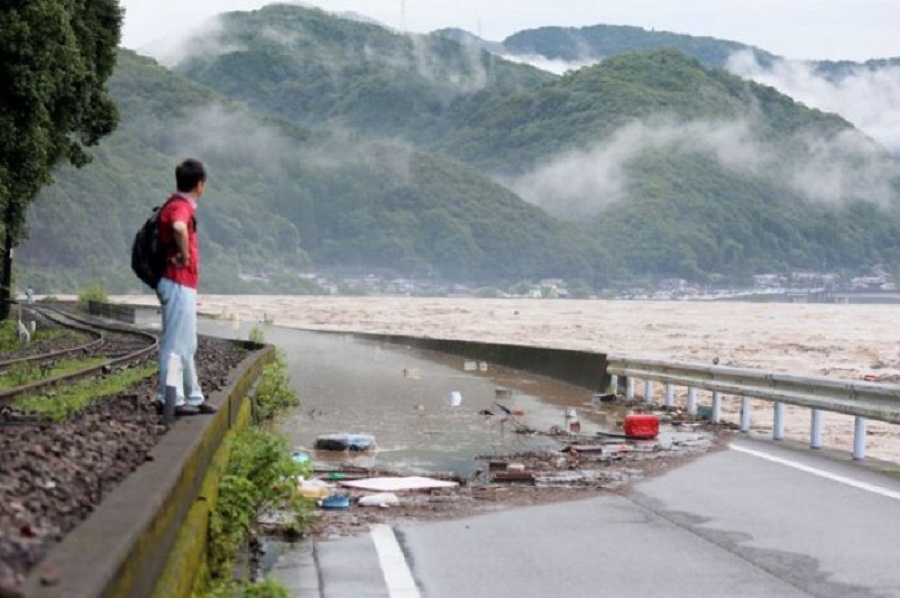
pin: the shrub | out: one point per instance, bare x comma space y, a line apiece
257, 335
94, 292
274, 392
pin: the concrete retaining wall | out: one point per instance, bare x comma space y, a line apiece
149, 536
581, 368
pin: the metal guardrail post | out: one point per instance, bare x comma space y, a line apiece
863, 400
859, 438
648, 391
815, 435
692, 401
778, 427
670, 395
745, 414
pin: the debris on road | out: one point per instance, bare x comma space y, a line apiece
345, 442
336, 501
383, 500
641, 426
398, 484
453, 399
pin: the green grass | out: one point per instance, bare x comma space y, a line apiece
9, 336
24, 373
72, 399
260, 476
52, 334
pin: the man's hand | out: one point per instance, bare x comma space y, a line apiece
183, 257
182, 260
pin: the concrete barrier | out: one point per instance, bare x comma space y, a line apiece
112, 311
581, 368
148, 537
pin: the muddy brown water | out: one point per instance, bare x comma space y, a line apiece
401, 396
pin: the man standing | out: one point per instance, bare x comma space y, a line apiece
177, 290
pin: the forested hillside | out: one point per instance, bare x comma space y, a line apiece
593, 103
283, 198
583, 44
338, 143
677, 169
306, 65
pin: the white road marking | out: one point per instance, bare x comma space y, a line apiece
397, 576
818, 472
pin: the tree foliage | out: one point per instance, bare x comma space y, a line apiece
55, 56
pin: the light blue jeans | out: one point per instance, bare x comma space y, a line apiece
179, 336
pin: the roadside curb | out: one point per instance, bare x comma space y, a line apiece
148, 537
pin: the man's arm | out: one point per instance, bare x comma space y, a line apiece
180, 232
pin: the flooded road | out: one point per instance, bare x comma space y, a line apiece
405, 398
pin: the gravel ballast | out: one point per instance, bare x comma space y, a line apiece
53, 475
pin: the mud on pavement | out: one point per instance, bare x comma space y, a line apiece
583, 467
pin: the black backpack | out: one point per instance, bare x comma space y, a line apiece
148, 254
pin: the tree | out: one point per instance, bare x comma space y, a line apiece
55, 58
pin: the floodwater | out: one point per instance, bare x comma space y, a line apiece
848, 342
403, 397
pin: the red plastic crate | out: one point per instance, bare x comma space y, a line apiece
641, 426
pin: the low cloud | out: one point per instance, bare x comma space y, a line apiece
205, 41
424, 54
217, 130
468, 73
867, 97
239, 139
557, 66
842, 167
582, 183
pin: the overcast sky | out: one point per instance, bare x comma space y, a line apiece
814, 29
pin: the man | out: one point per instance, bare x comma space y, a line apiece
177, 290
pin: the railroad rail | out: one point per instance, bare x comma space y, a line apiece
863, 400
40, 358
120, 345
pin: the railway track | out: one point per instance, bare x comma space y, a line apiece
112, 346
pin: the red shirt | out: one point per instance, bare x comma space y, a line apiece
180, 208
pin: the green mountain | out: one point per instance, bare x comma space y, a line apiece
599, 42
338, 143
717, 174
281, 199
306, 65
591, 104
586, 45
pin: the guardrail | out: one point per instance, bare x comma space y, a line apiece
863, 400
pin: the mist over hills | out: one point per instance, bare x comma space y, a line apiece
340, 143
867, 94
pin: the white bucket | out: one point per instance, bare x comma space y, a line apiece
453, 399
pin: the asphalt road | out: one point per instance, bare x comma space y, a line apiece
760, 519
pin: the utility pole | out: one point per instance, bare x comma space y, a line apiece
6, 269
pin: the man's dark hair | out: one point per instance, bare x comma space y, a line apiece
189, 174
